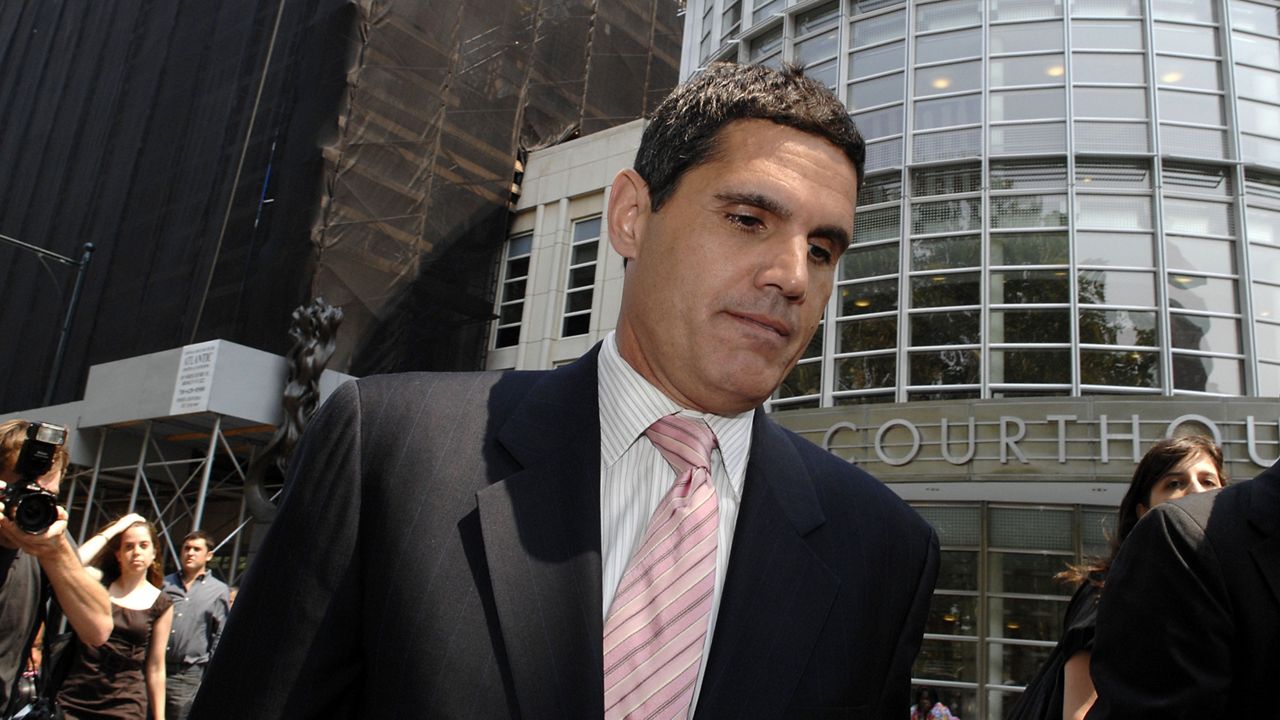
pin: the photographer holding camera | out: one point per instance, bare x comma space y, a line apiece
37, 559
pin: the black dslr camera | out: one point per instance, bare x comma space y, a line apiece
32, 508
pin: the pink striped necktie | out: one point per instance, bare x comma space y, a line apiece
658, 621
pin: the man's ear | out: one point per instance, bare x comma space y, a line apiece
628, 213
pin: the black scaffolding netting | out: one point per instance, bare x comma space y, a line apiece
229, 161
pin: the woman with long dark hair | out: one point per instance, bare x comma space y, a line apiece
123, 678
1172, 468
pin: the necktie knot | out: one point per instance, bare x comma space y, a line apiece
684, 443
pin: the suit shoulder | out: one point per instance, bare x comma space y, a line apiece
388, 396
845, 482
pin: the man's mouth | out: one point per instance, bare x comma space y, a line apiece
766, 322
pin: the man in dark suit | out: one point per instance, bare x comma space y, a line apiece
1189, 622
450, 544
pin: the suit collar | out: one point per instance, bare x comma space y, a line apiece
778, 592
541, 534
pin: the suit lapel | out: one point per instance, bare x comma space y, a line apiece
777, 593
541, 530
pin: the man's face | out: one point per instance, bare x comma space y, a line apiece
195, 555
727, 282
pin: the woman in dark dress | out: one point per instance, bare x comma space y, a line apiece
123, 678
1172, 468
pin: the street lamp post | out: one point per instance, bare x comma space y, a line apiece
82, 266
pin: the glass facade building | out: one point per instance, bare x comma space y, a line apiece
1062, 198
1065, 199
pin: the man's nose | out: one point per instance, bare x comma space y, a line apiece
786, 267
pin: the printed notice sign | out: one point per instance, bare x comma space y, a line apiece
195, 378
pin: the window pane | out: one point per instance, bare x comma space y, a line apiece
870, 334
586, 229
877, 60
1106, 8
1028, 104
1030, 286
1191, 107
1122, 212
1025, 9
1255, 17
513, 290
1117, 174
1184, 253
869, 297
1189, 73
1106, 35
1108, 68
944, 367
1019, 211
1200, 179
818, 18
1266, 300
945, 290
1186, 10
1199, 332
866, 262
519, 245
518, 267
765, 44
1201, 293
861, 373
886, 187
578, 300
1265, 262
869, 93
1261, 118
1027, 574
1116, 287
952, 615
1264, 225
948, 14
1110, 102
512, 313
879, 224
949, 78
804, 379
1027, 70
1028, 174
582, 277
946, 216
507, 337
1031, 366
948, 112
1118, 327
1124, 369
1187, 39
1257, 83
1268, 337
948, 46
946, 180
946, 252
1026, 37
880, 123
1019, 663
947, 328
1263, 52
1207, 374
946, 660
1032, 326
1198, 217
879, 29
1119, 249
585, 253
1045, 248
818, 47
577, 325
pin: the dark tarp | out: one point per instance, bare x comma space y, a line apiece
231, 160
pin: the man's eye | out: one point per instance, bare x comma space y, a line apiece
821, 254
745, 221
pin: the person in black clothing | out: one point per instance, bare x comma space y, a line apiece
1063, 689
34, 567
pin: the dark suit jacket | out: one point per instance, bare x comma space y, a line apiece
1189, 623
438, 555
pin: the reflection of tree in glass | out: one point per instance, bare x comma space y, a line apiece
804, 379
1122, 368
948, 252
1028, 211
860, 373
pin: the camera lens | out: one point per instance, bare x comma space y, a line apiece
35, 512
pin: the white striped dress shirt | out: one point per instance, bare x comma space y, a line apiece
634, 477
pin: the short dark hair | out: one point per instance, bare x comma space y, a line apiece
199, 535
683, 131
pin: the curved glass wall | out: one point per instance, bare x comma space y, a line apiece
1064, 197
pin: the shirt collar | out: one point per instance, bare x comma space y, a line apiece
629, 404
